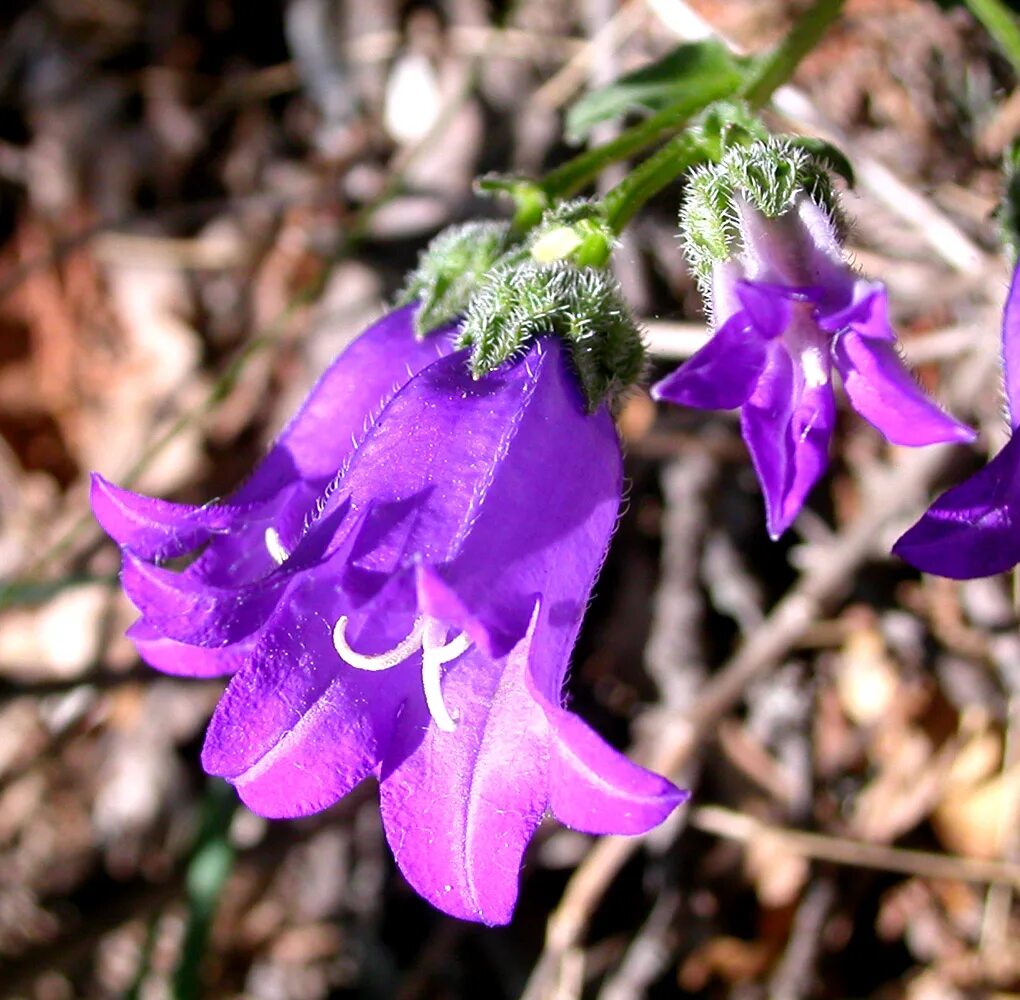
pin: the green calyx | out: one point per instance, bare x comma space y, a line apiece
450, 269
521, 300
769, 175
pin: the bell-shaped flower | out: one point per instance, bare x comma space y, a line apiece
417, 626
787, 310
242, 535
973, 529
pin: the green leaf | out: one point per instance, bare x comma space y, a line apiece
697, 72
832, 157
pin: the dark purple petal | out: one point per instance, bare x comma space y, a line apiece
183, 660
883, 391
545, 515
973, 529
1011, 350
787, 424
722, 375
767, 307
310, 450
348, 396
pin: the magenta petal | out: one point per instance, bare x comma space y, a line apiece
438, 600
973, 529
155, 529
722, 375
883, 391
1011, 350
597, 790
183, 660
787, 425
459, 808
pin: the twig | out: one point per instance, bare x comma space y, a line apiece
857, 853
649, 952
795, 972
674, 655
560, 87
995, 922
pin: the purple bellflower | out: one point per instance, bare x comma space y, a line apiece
973, 529
787, 309
414, 621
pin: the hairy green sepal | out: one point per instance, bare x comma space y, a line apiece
769, 175
450, 269
521, 300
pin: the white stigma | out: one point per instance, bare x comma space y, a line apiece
407, 646
275, 548
428, 636
815, 374
435, 652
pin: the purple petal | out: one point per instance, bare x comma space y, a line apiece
973, 529
883, 391
461, 518
313, 446
546, 515
182, 660
597, 790
787, 424
723, 374
767, 307
180, 607
867, 313
1011, 350
350, 393
297, 728
457, 814
155, 529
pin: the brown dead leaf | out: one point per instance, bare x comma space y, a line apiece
731, 959
778, 873
867, 680
974, 820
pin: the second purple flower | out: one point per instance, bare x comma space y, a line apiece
787, 310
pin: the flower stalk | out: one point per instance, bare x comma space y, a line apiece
780, 65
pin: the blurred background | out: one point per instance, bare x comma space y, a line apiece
201, 202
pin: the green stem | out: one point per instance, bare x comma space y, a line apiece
572, 176
1001, 25
779, 65
675, 158
208, 868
